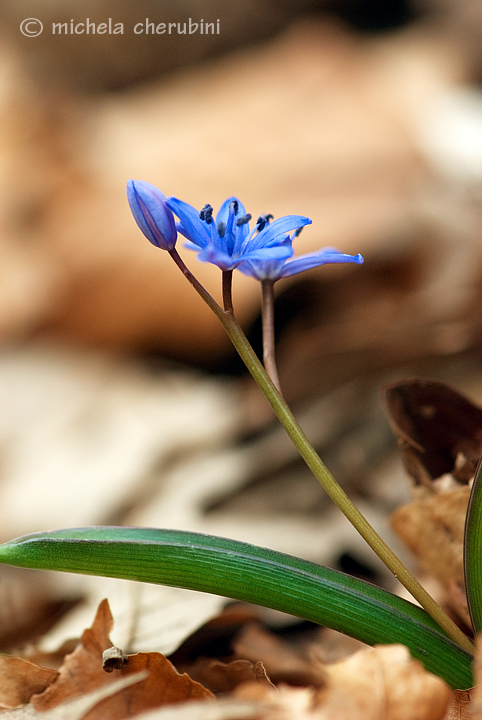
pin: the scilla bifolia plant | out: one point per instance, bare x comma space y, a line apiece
234, 569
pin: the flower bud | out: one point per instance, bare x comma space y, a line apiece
151, 214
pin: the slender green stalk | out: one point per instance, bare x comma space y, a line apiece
267, 315
318, 468
228, 291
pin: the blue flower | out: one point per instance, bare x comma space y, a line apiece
148, 206
227, 241
276, 269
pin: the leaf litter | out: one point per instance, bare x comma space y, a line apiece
255, 672
379, 683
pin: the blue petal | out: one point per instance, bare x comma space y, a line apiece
191, 226
223, 211
234, 234
281, 252
268, 269
151, 213
217, 257
270, 234
224, 261
315, 259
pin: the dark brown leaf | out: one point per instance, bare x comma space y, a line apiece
439, 431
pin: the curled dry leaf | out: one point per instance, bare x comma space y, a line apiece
20, 679
224, 709
439, 431
382, 682
467, 704
220, 677
82, 672
461, 707
433, 529
113, 658
72, 709
282, 663
163, 686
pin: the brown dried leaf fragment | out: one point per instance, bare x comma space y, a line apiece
20, 679
163, 686
439, 431
113, 658
382, 682
224, 709
281, 662
433, 529
82, 672
220, 677
386, 682
460, 708
72, 709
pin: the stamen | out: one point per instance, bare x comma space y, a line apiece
262, 221
243, 219
297, 232
234, 206
221, 228
206, 214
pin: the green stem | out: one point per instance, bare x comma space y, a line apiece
228, 290
318, 468
267, 314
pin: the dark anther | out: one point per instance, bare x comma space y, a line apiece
234, 206
221, 228
297, 232
243, 219
206, 213
262, 221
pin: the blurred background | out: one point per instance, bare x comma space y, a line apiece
121, 399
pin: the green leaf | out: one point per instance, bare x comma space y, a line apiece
473, 551
249, 573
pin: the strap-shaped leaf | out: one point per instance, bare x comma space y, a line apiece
473, 551
249, 573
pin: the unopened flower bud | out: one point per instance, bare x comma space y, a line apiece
154, 218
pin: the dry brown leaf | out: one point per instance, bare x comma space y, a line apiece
220, 677
73, 709
433, 529
54, 659
284, 703
163, 686
82, 672
225, 709
460, 708
439, 431
382, 682
20, 679
282, 664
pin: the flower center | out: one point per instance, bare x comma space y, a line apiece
243, 219
206, 214
262, 221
